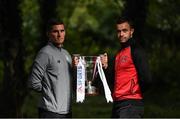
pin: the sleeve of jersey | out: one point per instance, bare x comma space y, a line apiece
110, 71
142, 66
37, 72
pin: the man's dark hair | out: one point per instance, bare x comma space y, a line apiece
121, 20
52, 22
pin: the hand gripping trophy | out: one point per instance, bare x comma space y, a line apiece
87, 69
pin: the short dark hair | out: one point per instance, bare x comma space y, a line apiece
52, 22
123, 19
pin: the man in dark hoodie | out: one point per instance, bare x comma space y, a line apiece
131, 74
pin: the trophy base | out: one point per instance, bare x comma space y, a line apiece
92, 91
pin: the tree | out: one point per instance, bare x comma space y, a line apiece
47, 11
137, 11
14, 84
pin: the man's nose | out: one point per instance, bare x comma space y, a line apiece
121, 33
59, 33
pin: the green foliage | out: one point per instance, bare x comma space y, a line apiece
90, 30
164, 14
164, 104
88, 25
164, 65
31, 31
30, 109
162, 36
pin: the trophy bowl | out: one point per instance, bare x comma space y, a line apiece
91, 72
86, 79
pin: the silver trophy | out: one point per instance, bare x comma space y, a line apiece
90, 73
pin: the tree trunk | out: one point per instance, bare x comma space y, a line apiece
47, 11
14, 89
137, 11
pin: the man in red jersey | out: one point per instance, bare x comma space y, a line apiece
131, 74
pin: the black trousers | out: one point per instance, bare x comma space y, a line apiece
128, 109
48, 114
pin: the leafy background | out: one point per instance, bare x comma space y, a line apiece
90, 28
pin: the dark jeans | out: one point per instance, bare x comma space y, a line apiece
128, 109
47, 114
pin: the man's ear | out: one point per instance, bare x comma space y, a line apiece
132, 31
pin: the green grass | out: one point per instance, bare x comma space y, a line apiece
158, 104
92, 107
162, 103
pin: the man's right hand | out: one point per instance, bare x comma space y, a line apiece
104, 60
75, 61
